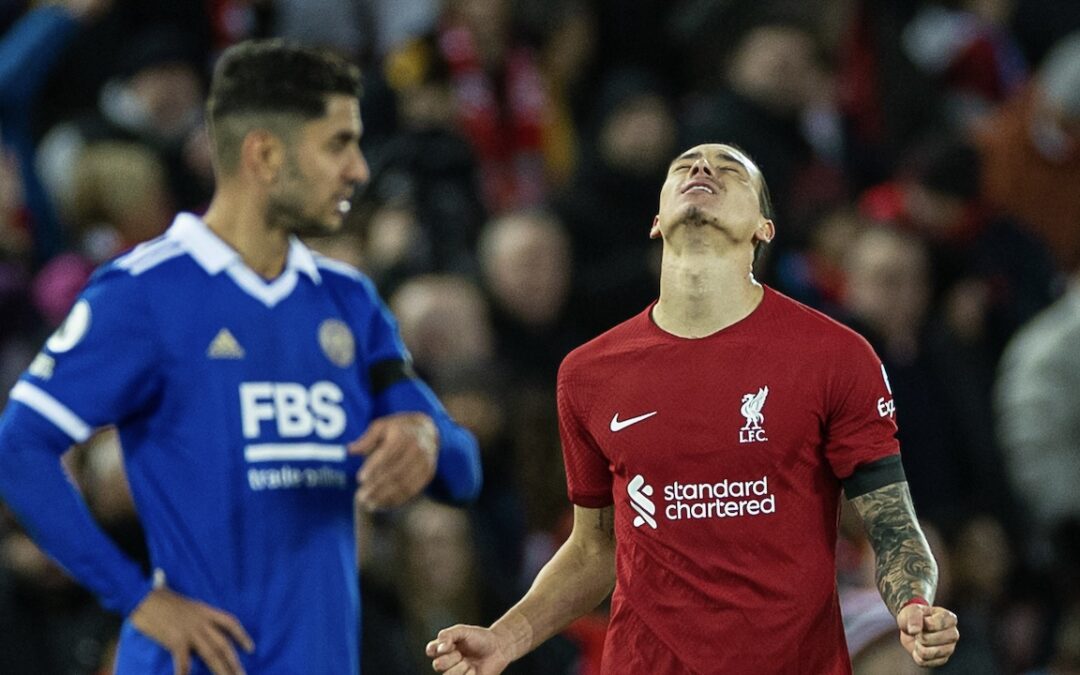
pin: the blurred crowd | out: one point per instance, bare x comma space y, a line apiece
924, 160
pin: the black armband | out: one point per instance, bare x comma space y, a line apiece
389, 372
869, 477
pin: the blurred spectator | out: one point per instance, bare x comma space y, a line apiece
29, 230
1038, 411
885, 99
344, 26
990, 277
609, 205
500, 100
1065, 659
525, 261
949, 454
815, 274
966, 46
1030, 150
426, 175
155, 100
347, 245
58, 284
397, 247
567, 44
444, 323
397, 21
15, 250
437, 573
120, 197
27, 55
773, 95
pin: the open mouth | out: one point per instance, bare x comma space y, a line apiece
699, 186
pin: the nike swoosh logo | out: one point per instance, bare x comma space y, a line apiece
619, 425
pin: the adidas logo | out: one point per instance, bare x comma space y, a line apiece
225, 346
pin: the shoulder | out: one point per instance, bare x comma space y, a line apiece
147, 256
133, 273
340, 275
815, 329
605, 351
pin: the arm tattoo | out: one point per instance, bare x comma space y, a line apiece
905, 566
605, 521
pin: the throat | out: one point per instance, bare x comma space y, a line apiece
697, 307
262, 249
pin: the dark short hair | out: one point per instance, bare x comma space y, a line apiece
765, 204
260, 79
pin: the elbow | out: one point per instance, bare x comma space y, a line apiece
458, 476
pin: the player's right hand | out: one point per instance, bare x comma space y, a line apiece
929, 634
467, 650
184, 626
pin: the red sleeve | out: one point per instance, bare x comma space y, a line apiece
861, 415
588, 472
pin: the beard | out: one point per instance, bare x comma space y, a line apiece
288, 214
695, 217
286, 210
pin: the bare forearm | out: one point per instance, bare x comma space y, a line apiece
905, 566
576, 579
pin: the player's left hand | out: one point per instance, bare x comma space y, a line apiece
929, 634
401, 452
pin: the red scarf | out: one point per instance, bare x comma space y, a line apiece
506, 133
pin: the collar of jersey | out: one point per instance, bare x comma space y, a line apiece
215, 256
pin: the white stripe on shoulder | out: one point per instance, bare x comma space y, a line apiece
149, 254
344, 269
51, 409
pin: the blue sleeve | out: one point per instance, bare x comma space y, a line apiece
396, 388
37, 490
96, 369
457, 475
101, 366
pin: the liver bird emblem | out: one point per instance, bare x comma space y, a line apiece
751, 408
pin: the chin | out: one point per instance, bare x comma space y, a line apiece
694, 215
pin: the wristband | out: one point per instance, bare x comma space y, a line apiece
917, 600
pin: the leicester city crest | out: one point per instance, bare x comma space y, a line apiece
337, 342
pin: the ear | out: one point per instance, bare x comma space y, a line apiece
262, 155
654, 231
765, 231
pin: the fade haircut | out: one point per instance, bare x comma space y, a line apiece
274, 85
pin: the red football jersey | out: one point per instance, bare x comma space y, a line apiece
723, 456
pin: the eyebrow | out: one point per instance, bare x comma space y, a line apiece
697, 154
345, 136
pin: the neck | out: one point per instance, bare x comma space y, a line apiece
700, 295
240, 221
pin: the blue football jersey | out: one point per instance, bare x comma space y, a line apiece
235, 398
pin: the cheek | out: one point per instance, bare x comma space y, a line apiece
665, 194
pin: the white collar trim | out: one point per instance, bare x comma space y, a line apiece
215, 256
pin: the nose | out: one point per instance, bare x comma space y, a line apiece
358, 171
701, 165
